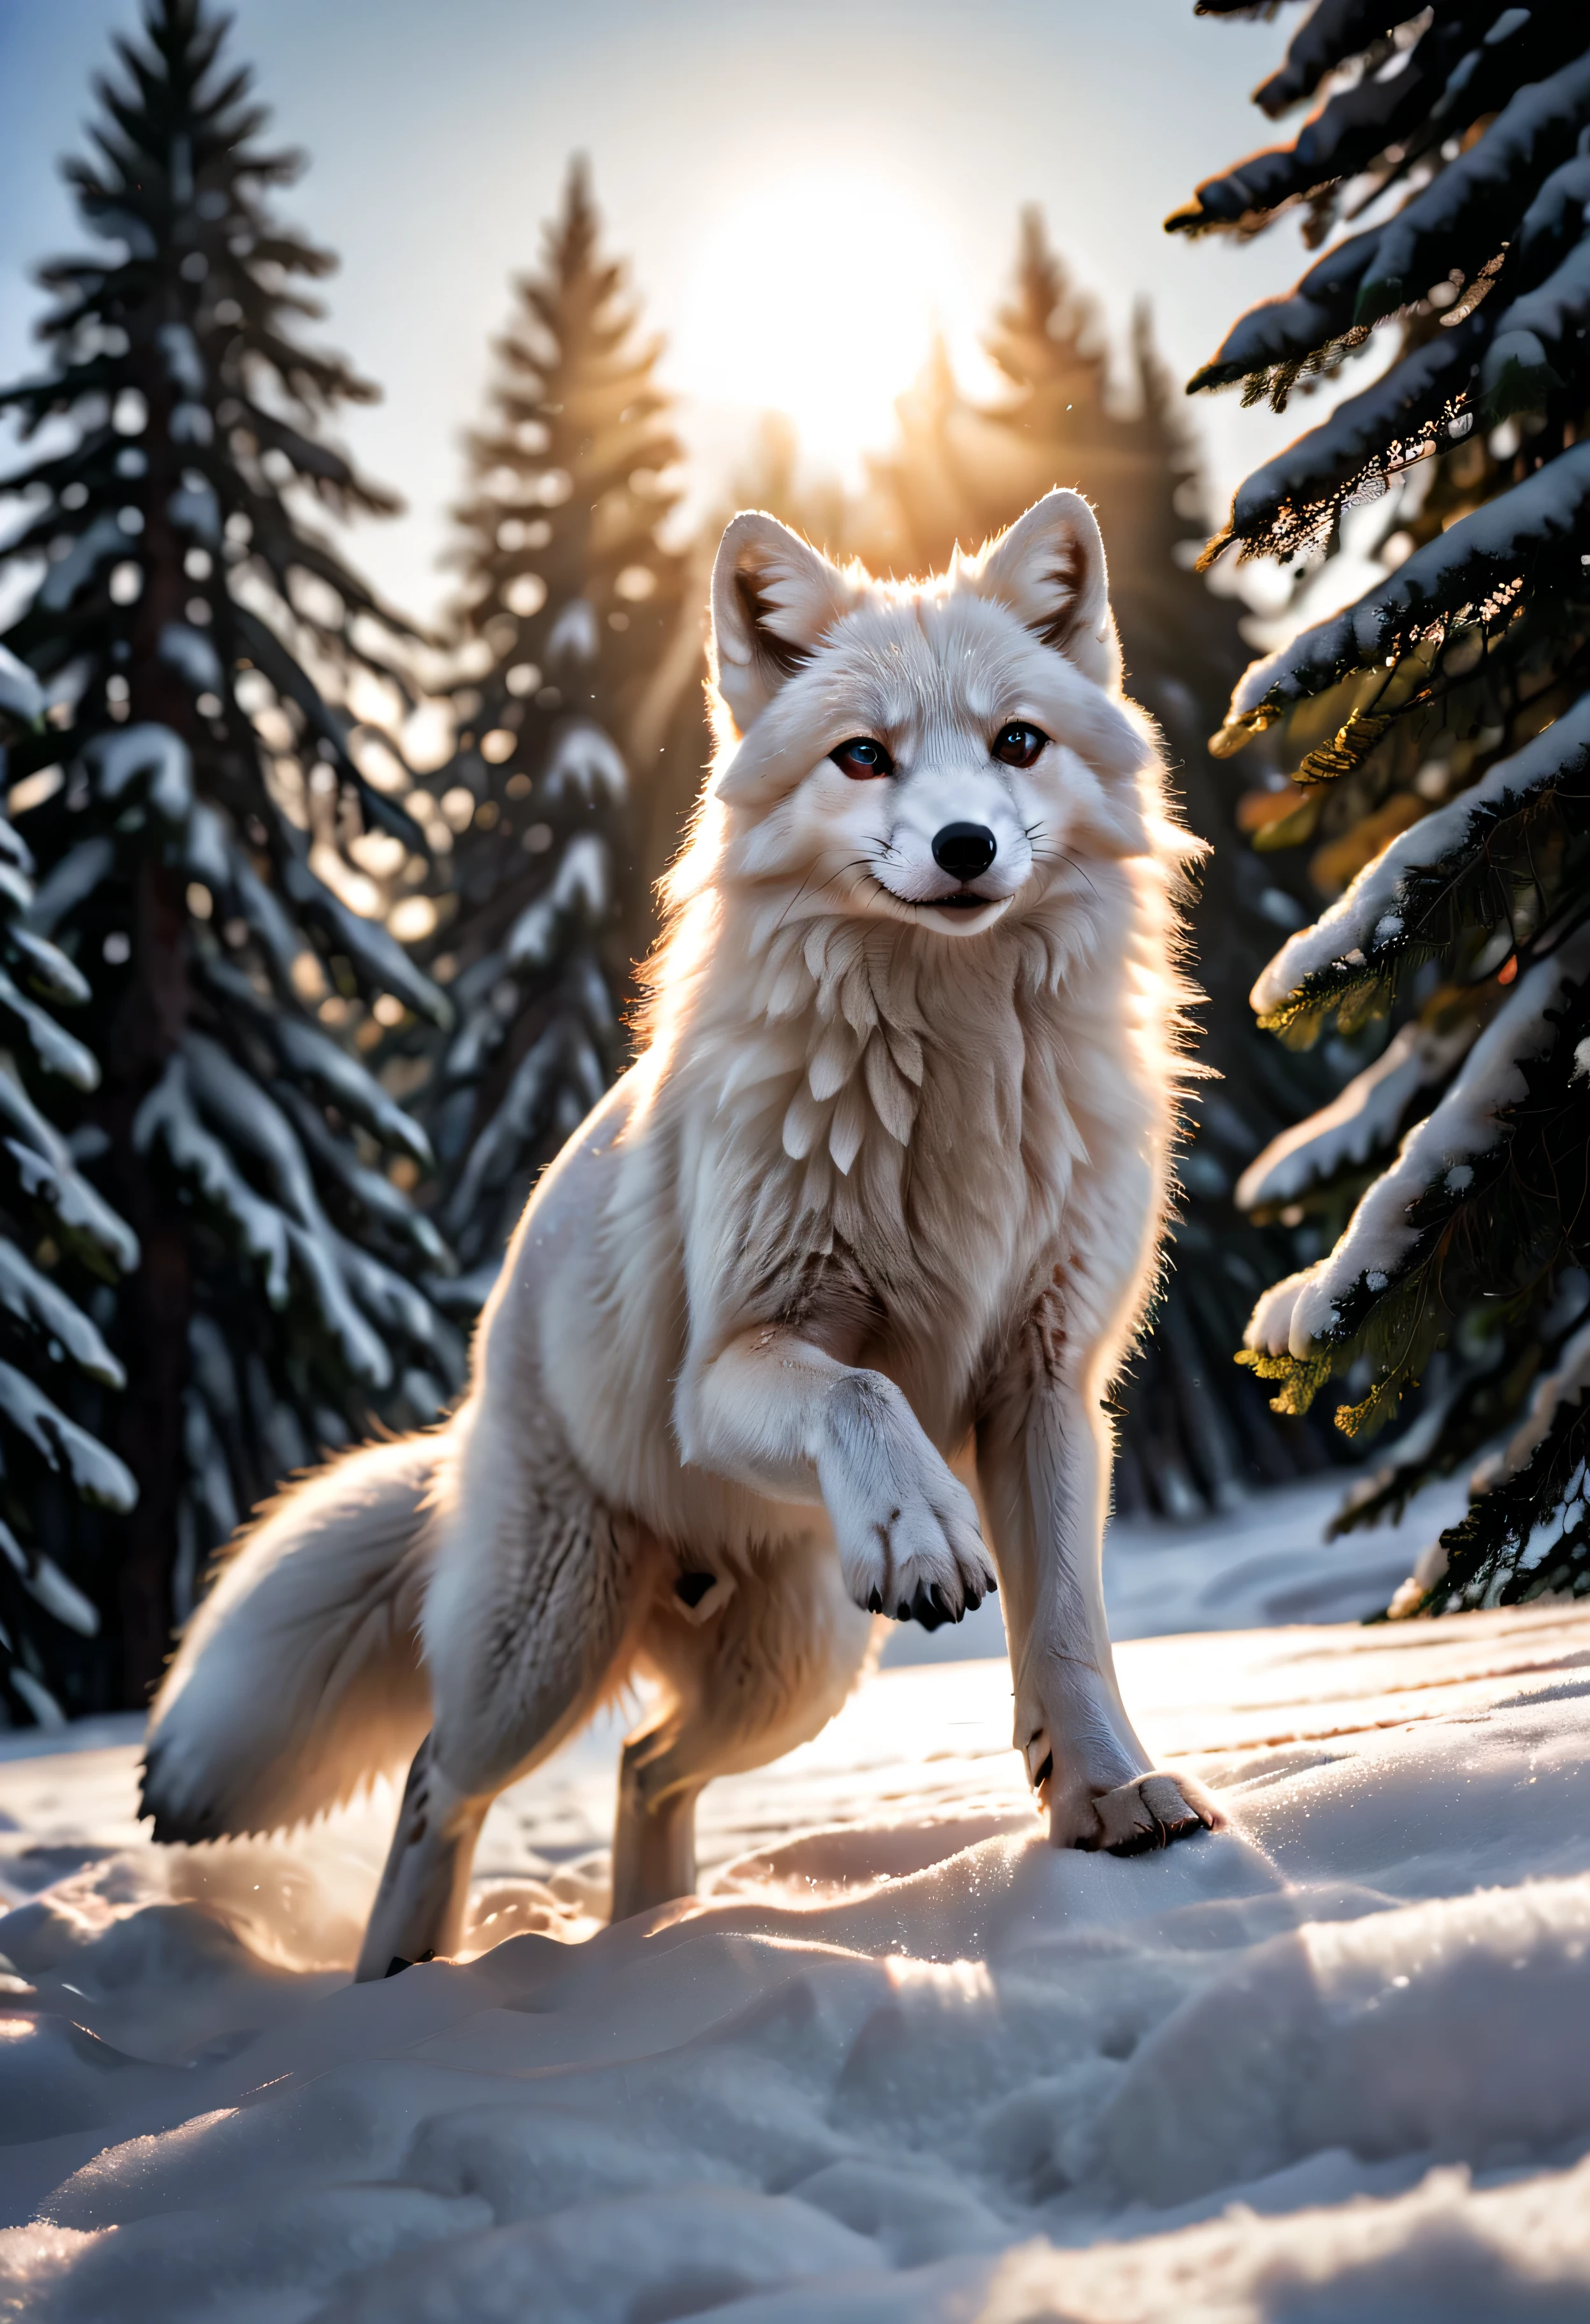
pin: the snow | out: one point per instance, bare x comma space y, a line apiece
1361, 1121
574, 632
1454, 219
1302, 1309
899, 2060
189, 652
1483, 551
1551, 317
1352, 922
1564, 1384
587, 763
147, 750
377, 955
104, 538
1380, 428
60, 1053
94, 1471
1316, 310
20, 691
579, 890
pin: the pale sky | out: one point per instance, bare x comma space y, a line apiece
805, 192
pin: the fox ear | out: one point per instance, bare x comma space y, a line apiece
1050, 570
773, 598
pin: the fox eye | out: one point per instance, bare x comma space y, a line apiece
863, 759
1018, 744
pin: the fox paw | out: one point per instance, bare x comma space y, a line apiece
1148, 1812
909, 1543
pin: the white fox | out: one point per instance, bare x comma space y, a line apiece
886, 1185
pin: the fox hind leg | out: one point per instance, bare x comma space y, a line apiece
531, 1616
741, 1686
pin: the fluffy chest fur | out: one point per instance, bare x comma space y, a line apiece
895, 1139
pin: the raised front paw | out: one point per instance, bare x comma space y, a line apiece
906, 1529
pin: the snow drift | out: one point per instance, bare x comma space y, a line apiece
899, 2061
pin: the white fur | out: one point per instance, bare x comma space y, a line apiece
887, 1184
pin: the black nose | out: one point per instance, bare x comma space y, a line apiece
964, 849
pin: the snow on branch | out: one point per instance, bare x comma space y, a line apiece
371, 1189
44, 1163
1296, 1314
1330, 35
512, 1128
81, 870
1286, 333
45, 1309
1371, 917
395, 1303
1555, 220
1539, 337
57, 1051
306, 1050
1563, 1386
580, 890
22, 696
587, 762
94, 545
319, 1259
1472, 569
162, 758
379, 957
1290, 505
195, 1152
1465, 217
239, 1109
93, 1471
47, 968
1360, 1122
45, 1584
1345, 135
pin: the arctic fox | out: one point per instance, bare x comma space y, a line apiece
884, 1188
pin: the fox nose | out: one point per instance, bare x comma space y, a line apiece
964, 849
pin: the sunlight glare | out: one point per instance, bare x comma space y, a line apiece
816, 296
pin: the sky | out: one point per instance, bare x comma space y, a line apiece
805, 193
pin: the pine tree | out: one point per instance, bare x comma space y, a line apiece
201, 643
1440, 732
54, 1229
571, 605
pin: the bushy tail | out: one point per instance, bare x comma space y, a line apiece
300, 1676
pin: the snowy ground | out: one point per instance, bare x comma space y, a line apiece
901, 2061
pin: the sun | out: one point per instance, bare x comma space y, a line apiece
817, 296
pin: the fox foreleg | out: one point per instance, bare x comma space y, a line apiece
778, 1412
1043, 1459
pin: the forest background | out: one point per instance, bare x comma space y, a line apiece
356, 832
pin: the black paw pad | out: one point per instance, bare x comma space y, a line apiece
873, 1602
690, 1588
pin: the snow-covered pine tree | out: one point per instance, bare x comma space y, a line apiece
193, 630
55, 1230
1440, 732
570, 606
1194, 1430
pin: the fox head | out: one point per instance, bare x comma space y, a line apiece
927, 753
